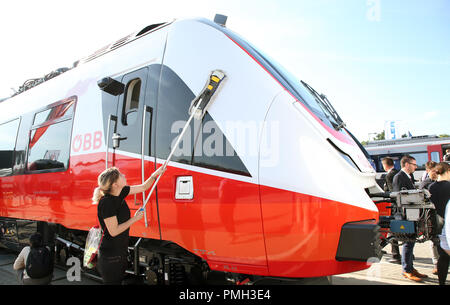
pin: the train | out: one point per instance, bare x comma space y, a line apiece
269, 186
422, 148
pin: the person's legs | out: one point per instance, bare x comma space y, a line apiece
112, 269
19, 274
442, 265
407, 257
396, 257
434, 251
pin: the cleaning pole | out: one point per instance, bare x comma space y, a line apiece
197, 110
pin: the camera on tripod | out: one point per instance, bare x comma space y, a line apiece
413, 216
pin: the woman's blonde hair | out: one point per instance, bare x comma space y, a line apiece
105, 181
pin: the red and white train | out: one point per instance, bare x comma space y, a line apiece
268, 185
422, 148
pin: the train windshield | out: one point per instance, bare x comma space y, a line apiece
318, 104
315, 102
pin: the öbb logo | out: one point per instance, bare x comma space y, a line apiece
88, 141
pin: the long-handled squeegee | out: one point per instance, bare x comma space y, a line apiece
197, 110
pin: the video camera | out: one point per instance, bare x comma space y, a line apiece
413, 216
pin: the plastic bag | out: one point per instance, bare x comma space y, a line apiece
93, 242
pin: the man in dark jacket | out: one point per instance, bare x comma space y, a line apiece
388, 166
403, 181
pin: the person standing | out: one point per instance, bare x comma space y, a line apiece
425, 185
403, 181
388, 166
440, 195
447, 155
115, 221
430, 176
445, 235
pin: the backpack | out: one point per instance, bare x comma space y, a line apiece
39, 263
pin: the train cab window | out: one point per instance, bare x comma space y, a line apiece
212, 150
211, 147
174, 100
8, 134
131, 104
49, 141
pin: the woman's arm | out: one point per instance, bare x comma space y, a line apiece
115, 229
134, 189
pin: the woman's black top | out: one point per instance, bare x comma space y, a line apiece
110, 206
440, 194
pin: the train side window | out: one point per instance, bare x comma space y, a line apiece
435, 156
54, 112
49, 138
8, 134
49, 147
421, 159
131, 105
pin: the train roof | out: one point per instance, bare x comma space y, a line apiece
31, 83
428, 139
123, 41
219, 23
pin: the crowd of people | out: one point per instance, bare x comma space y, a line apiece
436, 179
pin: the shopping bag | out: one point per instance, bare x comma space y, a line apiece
93, 241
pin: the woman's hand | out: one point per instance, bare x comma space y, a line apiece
158, 172
135, 189
138, 215
113, 226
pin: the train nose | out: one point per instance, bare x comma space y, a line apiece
359, 241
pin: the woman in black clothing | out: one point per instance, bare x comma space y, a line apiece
440, 195
115, 221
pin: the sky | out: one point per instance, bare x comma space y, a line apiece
376, 60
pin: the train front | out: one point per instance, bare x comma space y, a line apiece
314, 180
305, 211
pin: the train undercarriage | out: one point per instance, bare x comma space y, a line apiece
150, 262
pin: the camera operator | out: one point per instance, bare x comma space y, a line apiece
440, 195
402, 181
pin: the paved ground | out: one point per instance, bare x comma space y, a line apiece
385, 273
382, 273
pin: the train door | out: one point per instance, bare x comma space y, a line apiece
132, 139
